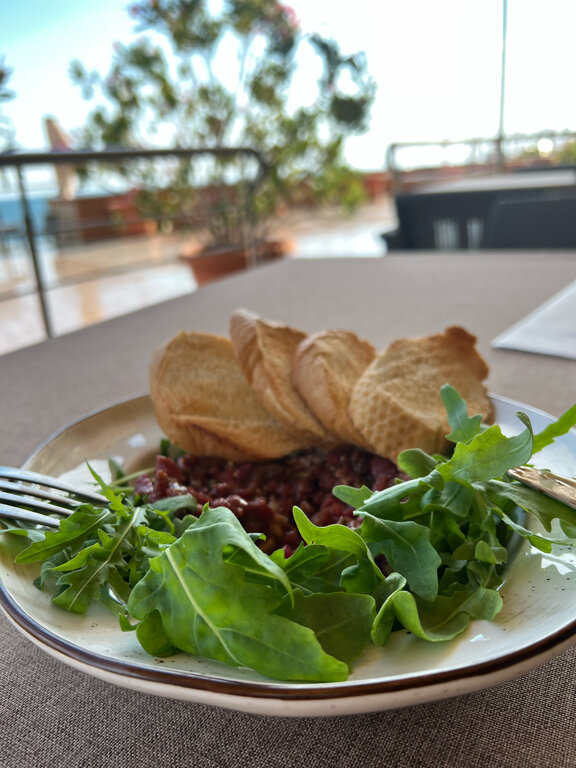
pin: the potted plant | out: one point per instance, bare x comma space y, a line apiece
228, 236
246, 75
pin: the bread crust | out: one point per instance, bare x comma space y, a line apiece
272, 390
265, 351
396, 403
204, 404
325, 369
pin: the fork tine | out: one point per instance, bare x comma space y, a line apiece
18, 500
13, 473
26, 515
37, 492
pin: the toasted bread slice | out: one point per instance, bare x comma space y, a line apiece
396, 402
205, 406
265, 351
325, 368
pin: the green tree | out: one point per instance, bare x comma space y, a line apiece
210, 76
567, 154
6, 127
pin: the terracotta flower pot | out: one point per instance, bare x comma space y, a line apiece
209, 264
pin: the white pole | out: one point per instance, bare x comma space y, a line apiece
500, 155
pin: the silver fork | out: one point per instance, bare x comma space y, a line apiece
30, 497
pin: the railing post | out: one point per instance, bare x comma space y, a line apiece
20, 160
31, 237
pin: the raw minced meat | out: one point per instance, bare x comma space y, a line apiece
262, 494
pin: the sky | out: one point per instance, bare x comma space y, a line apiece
436, 63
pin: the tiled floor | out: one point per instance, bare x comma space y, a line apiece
90, 287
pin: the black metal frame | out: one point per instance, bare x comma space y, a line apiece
22, 160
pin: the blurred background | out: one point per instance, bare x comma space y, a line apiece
327, 111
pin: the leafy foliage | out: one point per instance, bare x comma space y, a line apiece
208, 78
211, 606
6, 127
428, 556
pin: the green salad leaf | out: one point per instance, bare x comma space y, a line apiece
556, 429
341, 621
488, 455
314, 568
83, 523
208, 605
426, 555
407, 548
343, 539
464, 428
448, 616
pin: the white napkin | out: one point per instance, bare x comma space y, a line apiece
548, 330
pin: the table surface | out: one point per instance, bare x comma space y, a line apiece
55, 716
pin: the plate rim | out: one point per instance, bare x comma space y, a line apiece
277, 690
285, 691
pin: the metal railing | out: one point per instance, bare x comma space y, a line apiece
423, 161
21, 161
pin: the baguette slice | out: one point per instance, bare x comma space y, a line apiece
396, 402
205, 406
265, 351
325, 368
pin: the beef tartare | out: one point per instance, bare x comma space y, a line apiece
262, 494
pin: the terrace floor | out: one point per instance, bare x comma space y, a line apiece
99, 281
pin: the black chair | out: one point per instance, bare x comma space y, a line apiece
538, 222
449, 221
506, 211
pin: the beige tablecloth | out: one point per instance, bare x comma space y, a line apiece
54, 717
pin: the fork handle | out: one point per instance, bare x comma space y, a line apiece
556, 486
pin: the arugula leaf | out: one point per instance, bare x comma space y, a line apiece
447, 616
490, 454
202, 584
314, 568
340, 621
151, 636
335, 536
464, 427
538, 540
454, 498
83, 575
13, 527
74, 530
407, 548
209, 607
392, 503
384, 621
445, 533
487, 554
114, 499
342, 538
47, 568
558, 428
174, 504
416, 462
354, 497
542, 507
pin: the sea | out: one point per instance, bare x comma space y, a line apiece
12, 214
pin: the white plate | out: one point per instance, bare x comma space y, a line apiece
537, 623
